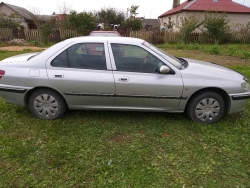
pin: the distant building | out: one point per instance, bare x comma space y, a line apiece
236, 13
23, 17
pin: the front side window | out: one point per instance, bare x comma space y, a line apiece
132, 58
84, 56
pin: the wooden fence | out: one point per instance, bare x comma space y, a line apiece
175, 37
6, 34
150, 36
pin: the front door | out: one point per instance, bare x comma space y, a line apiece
138, 82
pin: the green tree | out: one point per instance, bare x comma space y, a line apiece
46, 29
8, 21
215, 26
132, 22
188, 25
82, 22
133, 11
110, 16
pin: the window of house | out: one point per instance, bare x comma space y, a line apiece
131, 58
84, 55
177, 20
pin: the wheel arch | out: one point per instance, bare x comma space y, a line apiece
28, 94
225, 96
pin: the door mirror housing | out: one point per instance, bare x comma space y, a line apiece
164, 69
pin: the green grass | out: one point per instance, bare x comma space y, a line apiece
124, 149
5, 54
237, 50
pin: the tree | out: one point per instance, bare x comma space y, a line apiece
46, 29
188, 25
8, 21
132, 22
110, 16
215, 26
83, 22
133, 11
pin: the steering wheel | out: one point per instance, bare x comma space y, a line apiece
148, 64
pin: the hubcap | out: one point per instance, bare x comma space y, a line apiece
46, 105
207, 109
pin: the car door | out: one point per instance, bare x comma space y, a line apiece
138, 82
81, 73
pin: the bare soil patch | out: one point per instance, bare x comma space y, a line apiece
21, 48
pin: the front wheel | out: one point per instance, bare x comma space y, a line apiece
46, 104
207, 107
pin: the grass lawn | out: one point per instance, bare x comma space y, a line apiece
126, 149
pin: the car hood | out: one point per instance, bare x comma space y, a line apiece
18, 58
205, 68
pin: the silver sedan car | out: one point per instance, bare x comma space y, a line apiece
119, 73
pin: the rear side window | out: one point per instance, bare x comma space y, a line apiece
83, 56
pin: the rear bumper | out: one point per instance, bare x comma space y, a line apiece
13, 94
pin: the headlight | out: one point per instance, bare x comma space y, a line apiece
245, 86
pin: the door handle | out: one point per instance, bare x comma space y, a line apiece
124, 79
58, 75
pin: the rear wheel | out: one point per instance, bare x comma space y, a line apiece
46, 104
207, 107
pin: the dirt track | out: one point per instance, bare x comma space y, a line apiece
21, 48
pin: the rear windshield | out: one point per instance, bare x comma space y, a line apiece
105, 34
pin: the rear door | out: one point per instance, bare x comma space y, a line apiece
82, 74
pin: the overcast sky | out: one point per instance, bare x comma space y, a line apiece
147, 8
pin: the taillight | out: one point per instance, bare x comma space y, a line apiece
2, 72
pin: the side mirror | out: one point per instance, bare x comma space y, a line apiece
164, 69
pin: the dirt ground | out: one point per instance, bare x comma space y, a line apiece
20, 48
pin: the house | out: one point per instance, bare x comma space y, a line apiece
23, 17
236, 13
151, 24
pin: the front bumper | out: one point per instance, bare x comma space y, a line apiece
240, 96
238, 102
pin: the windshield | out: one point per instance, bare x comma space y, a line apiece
173, 60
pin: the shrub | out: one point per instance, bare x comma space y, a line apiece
214, 49
231, 50
215, 27
193, 46
246, 55
181, 46
188, 25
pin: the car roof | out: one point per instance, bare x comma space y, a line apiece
124, 40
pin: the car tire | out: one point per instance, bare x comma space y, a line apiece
47, 104
206, 107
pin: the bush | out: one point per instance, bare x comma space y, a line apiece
246, 55
193, 46
188, 25
181, 46
215, 27
35, 43
214, 49
231, 50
